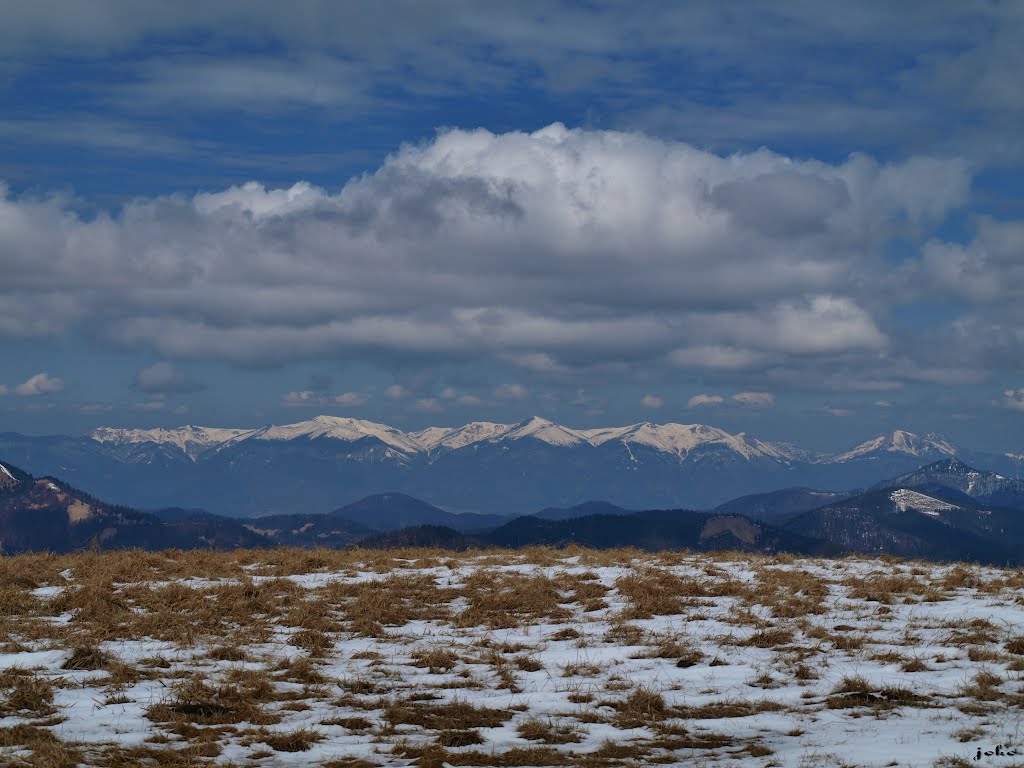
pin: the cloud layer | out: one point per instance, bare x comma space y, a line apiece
552, 251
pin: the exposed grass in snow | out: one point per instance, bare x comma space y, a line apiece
540, 657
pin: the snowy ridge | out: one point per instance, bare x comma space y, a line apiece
545, 431
338, 428
902, 442
678, 440
190, 440
460, 437
3, 469
905, 499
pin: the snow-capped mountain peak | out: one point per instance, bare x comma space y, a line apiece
901, 442
340, 428
678, 439
545, 431
459, 437
190, 440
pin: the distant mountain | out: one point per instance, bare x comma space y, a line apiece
483, 467
984, 487
899, 443
309, 530
47, 514
430, 536
940, 524
11, 478
581, 510
776, 507
944, 511
654, 530
392, 511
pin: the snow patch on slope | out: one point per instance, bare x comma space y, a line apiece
905, 499
4, 470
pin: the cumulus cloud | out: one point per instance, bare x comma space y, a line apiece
165, 377
40, 384
3, 389
837, 411
755, 399
312, 398
396, 392
484, 247
301, 398
698, 400
511, 392
350, 399
428, 405
469, 400
1014, 399
651, 401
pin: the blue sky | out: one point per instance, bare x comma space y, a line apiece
796, 219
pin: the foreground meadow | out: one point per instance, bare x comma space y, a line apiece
532, 658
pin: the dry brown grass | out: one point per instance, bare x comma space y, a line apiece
548, 731
435, 660
25, 692
769, 638
194, 700
655, 592
642, 706
504, 600
232, 623
446, 716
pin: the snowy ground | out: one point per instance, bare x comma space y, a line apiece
536, 658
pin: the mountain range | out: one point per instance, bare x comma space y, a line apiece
483, 467
945, 510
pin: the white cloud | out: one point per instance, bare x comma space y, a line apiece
396, 392
40, 384
651, 401
486, 247
698, 400
755, 399
716, 358
469, 400
837, 411
1014, 399
150, 405
511, 392
350, 399
449, 393
317, 398
883, 403
428, 405
301, 398
3, 389
164, 377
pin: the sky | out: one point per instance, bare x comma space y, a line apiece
800, 220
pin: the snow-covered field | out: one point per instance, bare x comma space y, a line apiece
532, 658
